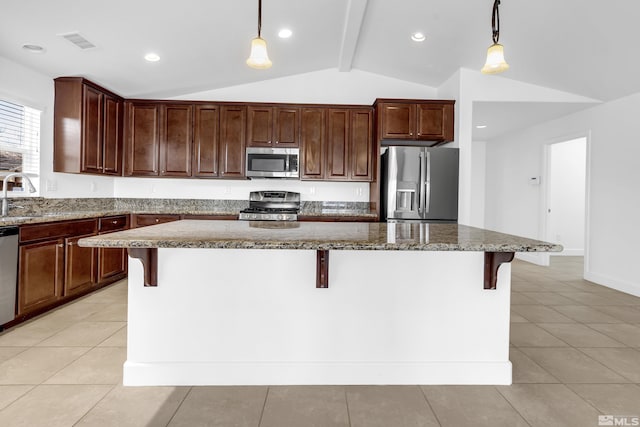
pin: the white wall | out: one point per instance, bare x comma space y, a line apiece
326, 86
467, 86
26, 86
613, 205
566, 195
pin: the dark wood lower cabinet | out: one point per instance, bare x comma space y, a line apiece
54, 269
81, 269
111, 262
41, 275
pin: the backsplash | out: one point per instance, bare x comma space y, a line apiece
34, 206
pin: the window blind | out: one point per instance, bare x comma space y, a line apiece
19, 139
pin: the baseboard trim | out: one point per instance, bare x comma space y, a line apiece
619, 285
316, 373
532, 257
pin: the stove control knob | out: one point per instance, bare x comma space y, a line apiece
280, 217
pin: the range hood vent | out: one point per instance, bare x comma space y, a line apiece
78, 40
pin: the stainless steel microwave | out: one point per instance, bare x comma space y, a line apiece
266, 162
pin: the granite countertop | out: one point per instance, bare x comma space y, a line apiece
318, 236
55, 216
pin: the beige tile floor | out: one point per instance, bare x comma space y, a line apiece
575, 348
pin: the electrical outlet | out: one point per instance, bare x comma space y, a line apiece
312, 190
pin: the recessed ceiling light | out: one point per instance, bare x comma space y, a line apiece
33, 48
418, 37
481, 126
285, 33
152, 57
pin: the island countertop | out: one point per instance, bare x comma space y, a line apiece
318, 236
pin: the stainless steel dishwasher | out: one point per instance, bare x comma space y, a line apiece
8, 273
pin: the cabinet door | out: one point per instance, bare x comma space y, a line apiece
142, 139
80, 272
232, 141
175, 140
361, 146
92, 130
112, 139
286, 127
205, 142
259, 126
41, 271
398, 120
337, 145
313, 143
435, 122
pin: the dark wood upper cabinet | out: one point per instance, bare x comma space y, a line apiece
337, 144
273, 126
259, 126
361, 145
435, 121
112, 131
313, 143
431, 120
87, 128
176, 140
92, 128
286, 127
233, 120
206, 141
158, 139
398, 120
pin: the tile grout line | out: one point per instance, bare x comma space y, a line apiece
264, 405
510, 404
95, 404
179, 406
346, 402
426, 399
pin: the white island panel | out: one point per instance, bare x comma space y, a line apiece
251, 316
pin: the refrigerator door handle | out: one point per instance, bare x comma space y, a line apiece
422, 183
427, 184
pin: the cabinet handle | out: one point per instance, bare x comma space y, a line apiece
157, 220
410, 133
276, 142
70, 244
114, 222
60, 245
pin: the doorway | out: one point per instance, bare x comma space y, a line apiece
566, 192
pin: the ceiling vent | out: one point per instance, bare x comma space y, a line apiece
78, 40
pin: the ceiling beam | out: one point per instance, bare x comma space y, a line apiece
352, 24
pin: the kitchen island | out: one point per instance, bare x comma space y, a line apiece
235, 302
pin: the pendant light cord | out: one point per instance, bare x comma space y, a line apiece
260, 17
495, 22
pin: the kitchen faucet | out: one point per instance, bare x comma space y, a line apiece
5, 202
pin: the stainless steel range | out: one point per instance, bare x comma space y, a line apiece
272, 206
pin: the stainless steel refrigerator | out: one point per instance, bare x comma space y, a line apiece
420, 184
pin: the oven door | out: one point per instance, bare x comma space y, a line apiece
272, 162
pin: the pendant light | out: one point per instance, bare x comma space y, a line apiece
258, 57
495, 54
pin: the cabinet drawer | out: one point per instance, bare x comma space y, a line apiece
113, 223
33, 232
142, 220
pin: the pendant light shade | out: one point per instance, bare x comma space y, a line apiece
495, 60
259, 58
495, 54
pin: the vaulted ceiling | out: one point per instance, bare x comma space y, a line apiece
584, 47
